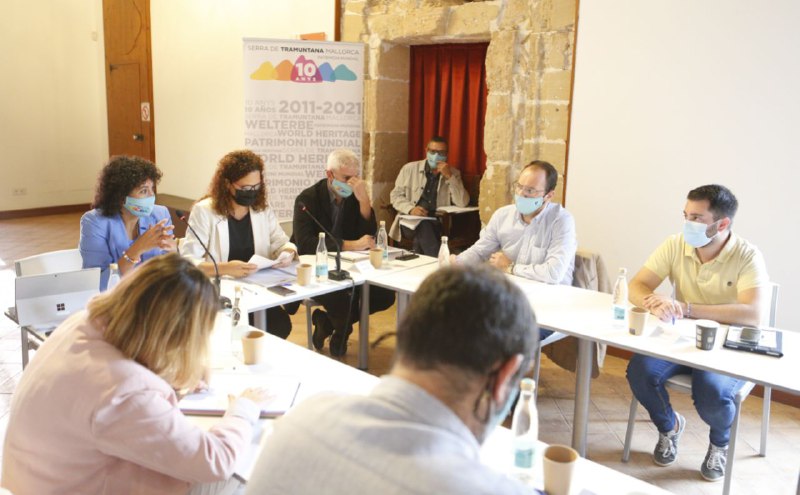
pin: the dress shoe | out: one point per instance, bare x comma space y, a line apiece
323, 328
338, 342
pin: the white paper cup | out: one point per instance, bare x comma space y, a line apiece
559, 469
637, 320
254, 346
305, 273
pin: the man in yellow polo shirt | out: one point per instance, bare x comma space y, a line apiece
717, 276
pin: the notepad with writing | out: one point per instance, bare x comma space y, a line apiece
770, 342
214, 401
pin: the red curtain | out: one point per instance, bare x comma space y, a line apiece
448, 98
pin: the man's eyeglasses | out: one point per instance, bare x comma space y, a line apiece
527, 191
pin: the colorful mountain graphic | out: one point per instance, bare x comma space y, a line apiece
303, 70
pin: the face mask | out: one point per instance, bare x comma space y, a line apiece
341, 188
140, 207
496, 419
694, 233
245, 198
526, 206
434, 158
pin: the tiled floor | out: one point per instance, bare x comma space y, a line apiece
775, 474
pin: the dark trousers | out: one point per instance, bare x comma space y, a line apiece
427, 237
278, 322
336, 304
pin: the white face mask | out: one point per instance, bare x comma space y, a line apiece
694, 233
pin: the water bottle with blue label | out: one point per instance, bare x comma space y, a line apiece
322, 258
619, 305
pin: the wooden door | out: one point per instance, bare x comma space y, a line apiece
129, 83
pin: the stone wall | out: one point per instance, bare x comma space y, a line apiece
529, 78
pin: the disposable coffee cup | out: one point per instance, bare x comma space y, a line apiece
559, 469
376, 257
305, 274
706, 334
254, 346
637, 320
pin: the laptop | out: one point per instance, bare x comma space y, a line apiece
47, 300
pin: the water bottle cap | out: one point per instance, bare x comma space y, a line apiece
322, 235
623, 271
383, 223
527, 385
444, 238
113, 266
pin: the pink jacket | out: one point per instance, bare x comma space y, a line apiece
85, 419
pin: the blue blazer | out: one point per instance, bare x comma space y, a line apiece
103, 239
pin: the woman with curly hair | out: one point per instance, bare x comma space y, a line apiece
125, 227
237, 223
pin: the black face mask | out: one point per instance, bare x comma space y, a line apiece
245, 198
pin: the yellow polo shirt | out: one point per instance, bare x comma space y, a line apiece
738, 267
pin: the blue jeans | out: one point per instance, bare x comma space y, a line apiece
713, 395
543, 334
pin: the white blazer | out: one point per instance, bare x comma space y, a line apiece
269, 238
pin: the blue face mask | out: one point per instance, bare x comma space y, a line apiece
694, 233
434, 158
341, 188
496, 419
526, 206
140, 207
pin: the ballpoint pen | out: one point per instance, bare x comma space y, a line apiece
673, 304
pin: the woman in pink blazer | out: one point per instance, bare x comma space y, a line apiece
96, 411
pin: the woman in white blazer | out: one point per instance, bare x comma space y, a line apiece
235, 222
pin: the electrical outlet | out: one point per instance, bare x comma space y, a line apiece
19, 191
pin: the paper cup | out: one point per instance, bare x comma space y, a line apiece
376, 257
305, 274
559, 468
706, 334
637, 320
254, 347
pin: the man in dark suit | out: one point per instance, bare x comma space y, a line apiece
341, 203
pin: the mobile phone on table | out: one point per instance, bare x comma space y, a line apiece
407, 256
750, 335
281, 290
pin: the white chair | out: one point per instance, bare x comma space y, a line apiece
52, 262
537, 358
64, 260
683, 383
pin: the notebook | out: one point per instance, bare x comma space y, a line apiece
48, 299
770, 342
214, 401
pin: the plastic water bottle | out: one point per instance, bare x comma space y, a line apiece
382, 241
322, 258
619, 306
525, 426
444, 253
113, 276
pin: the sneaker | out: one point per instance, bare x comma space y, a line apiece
713, 468
667, 447
323, 328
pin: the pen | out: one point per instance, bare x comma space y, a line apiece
673, 304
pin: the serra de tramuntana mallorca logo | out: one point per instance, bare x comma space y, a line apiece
302, 71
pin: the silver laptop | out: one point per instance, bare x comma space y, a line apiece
47, 300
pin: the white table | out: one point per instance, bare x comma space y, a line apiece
256, 298
586, 314
318, 373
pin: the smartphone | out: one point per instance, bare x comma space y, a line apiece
281, 290
750, 335
406, 257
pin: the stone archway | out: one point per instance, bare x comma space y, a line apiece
529, 76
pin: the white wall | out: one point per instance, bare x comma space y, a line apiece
673, 94
53, 131
197, 77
